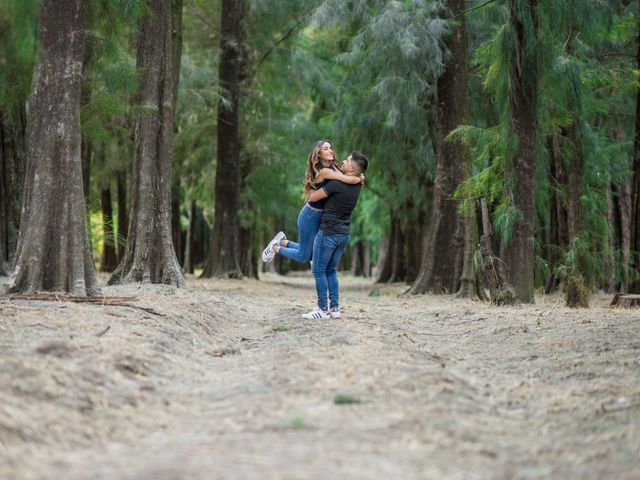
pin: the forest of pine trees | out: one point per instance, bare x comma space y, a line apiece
154, 138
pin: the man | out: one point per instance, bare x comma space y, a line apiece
333, 235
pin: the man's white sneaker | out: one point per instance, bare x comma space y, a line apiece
317, 315
268, 254
335, 312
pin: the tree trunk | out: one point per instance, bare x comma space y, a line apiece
176, 200
123, 217
624, 198
12, 133
389, 261
53, 251
383, 266
176, 47
357, 259
609, 263
176, 227
575, 186
85, 155
149, 255
469, 287
635, 196
248, 257
224, 256
558, 229
5, 200
248, 253
109, 259
500, 292
521, 173
367, 258
443, 247
86, 148
189, 251
412, 247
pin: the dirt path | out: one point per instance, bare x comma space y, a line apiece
224, 380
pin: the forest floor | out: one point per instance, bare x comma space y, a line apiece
225, 380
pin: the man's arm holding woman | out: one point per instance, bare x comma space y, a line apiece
328, 174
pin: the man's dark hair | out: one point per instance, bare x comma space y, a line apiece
361, 161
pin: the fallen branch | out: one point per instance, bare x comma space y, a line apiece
468, 321
99, 300
617, 406
103, 331
59, 297
546, 312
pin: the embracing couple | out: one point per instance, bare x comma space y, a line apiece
323, 223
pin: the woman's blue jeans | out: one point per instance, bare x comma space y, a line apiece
308, 224
327, 250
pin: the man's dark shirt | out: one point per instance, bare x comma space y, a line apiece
336, 216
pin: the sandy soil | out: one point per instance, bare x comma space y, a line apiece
225, 380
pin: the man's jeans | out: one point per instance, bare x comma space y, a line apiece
308, 223
327, 250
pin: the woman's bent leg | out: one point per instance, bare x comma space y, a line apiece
308, 223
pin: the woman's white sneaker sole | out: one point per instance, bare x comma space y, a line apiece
268, 254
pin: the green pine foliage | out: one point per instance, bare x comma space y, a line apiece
363, 74
389, 57
580, 57
17, 54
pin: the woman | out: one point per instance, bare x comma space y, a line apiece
321, 167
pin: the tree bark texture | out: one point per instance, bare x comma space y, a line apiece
412, 246
634, 287
123, 214
53, 251
176, 46
575, 186
558, 231
248, 254
443, 247
469, 285
12, 169
189, 250
86, 148
176, 200
149, 255
391, 264
521, 173
361, 260
609, 263
176, 226
224, 256
248, 251
624, 202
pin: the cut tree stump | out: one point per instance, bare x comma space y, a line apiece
627, 300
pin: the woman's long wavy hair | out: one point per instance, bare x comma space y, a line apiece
314, 164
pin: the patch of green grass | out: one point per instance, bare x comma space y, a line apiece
281, 328
296, 422
598, 427
342, 399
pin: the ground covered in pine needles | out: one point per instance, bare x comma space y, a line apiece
225, 380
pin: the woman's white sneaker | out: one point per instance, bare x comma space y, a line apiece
317, 315
335, 312
268, 254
